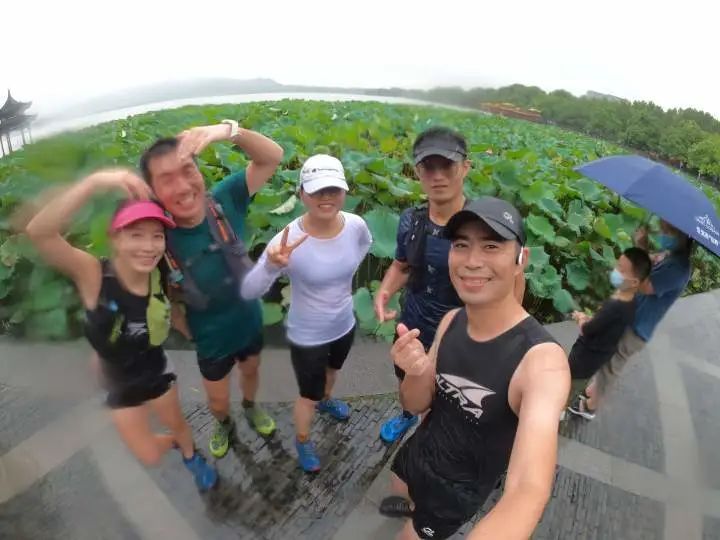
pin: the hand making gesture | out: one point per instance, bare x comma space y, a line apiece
123, 180
382, 313
194, 140
279, 254
408, 353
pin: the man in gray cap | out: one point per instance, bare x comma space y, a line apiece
420, 267
495, 382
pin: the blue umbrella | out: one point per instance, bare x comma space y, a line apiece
656, 188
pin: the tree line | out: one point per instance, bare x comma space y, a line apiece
685, 138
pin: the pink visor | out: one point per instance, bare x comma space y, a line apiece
138, 210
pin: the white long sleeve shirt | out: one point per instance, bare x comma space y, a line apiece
320, 272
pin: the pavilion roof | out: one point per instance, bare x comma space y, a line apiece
13, 107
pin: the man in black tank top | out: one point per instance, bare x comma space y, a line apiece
495, 382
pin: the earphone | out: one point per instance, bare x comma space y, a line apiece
521, 255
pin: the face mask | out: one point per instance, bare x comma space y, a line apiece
667, 242
616, 278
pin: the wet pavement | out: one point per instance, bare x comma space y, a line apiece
264, 495
646, 468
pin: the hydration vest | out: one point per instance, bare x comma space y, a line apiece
225, 240
415, 245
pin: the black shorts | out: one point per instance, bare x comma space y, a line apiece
216, 369
441, 506
399, 373
584, 363
310, 364
122, 396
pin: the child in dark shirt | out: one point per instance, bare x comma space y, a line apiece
601, 333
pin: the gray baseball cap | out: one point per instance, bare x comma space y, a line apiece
501, 216
440, 143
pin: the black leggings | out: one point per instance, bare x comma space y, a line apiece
311, 362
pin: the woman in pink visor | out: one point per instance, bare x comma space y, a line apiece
128, 313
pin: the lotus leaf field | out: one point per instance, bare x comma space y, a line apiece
575, 227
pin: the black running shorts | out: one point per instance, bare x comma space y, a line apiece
441, 506
216, 369
310, 364
136, 393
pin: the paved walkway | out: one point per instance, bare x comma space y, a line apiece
648, 467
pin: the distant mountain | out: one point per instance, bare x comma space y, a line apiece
597, 95
165, 91
183, 89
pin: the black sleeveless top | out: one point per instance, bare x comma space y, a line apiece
470, 430
118, 330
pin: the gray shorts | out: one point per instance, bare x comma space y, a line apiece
629, 345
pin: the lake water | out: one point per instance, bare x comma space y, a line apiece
42, 130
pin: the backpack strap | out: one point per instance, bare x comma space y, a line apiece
223, 233
233, 248
182, 285
157, 315
155, 285
415, 245
109, 304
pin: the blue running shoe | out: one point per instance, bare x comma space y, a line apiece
205, 474
336, 408
396, 427
308, 459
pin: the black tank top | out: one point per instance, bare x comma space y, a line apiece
471, 428
118, 330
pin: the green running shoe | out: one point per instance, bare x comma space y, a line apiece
220, 440
261, 421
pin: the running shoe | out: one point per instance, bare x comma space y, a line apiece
336, 408
261, 421
307, 457
205, 474
396, 427
579, 408
395, 507
220, 439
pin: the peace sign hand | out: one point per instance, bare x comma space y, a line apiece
279, 254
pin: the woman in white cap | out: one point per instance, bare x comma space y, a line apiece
127, 314
319, 252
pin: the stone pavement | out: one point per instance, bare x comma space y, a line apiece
647, 467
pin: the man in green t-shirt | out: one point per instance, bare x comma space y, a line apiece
227, 331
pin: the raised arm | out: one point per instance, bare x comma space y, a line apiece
271, 264
543, 380
46, 228
264, 153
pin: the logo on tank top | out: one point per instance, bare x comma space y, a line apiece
468, 394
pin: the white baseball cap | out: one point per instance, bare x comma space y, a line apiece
322, 171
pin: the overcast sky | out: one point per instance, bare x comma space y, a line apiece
55, 52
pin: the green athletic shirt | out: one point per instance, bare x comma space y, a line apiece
230, 324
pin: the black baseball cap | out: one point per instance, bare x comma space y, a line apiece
440, 142
501, 216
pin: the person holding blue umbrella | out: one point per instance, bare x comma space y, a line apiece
687, 217
668, 278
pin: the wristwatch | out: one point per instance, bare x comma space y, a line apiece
234, 129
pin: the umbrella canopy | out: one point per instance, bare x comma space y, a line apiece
656, 188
